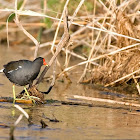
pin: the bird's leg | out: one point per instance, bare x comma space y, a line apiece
29, 95
14, 94
26, 92
30, 85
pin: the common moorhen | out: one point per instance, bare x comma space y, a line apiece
23, 72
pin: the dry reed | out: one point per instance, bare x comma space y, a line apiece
108, 36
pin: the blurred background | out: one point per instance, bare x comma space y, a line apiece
103, 55
104, 43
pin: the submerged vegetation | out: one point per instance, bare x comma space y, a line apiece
105, 36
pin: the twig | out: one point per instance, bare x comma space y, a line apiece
128, 75
76, 11
93, 47
74, 14
68, 51
7, 30
59, 26
22, 110
106, 101
25, 32
101, 56
63, 42
32, 13
54, 40
12, 128
65, 38
137, 84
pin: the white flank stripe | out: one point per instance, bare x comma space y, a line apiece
19, 67
10, 71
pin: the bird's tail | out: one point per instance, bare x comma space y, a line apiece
1, 70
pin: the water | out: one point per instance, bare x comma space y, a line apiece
76, 122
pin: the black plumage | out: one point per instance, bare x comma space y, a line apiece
23, 72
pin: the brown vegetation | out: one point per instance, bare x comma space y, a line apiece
105, 36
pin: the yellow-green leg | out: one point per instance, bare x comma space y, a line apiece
27, 92
29, 95
14, 94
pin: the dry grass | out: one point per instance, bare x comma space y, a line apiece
105, 36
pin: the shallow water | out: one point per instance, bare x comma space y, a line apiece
102, 121
76, 122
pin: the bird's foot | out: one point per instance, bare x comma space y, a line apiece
32, 98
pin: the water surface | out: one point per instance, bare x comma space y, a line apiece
76, 122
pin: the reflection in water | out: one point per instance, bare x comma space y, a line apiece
75, 122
